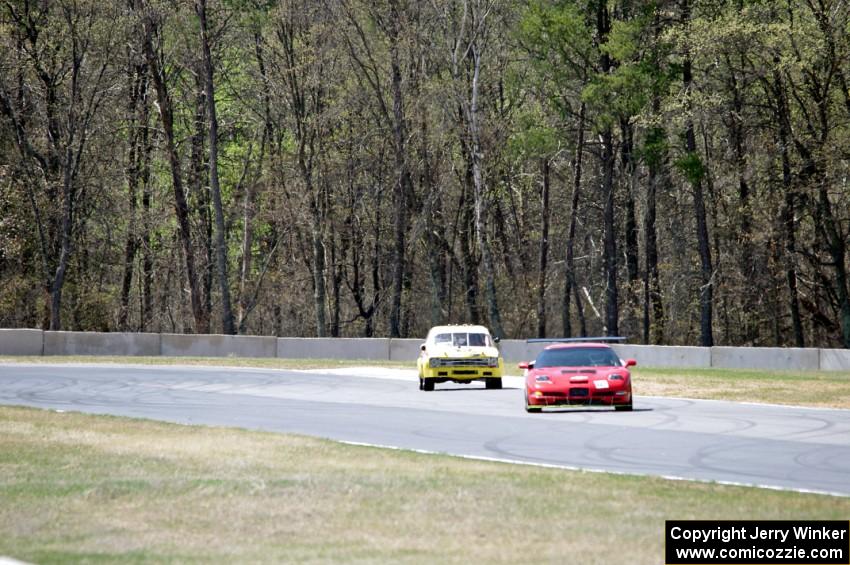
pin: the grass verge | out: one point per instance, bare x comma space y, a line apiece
815, 388
824, 389
80, 488
260, 363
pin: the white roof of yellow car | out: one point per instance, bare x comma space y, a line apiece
458, 328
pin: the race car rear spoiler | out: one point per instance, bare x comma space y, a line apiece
573, 339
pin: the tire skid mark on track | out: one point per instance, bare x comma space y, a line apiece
821, 459
821, 430
709, 459
734, 425
625, 456
505, 454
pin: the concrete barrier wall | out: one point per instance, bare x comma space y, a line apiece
333, 348
405, 349
21, 342
101, 343
37, 342
780, 358
834, 359
516, 350
195, 345
665, 355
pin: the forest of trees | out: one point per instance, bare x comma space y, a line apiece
675, 171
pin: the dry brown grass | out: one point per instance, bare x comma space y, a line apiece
79, 488
821, 389
261, 363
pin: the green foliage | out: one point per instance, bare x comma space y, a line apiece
531, 137
692, 167
558, 40
624, 92
655, 147
625, 40
256, 10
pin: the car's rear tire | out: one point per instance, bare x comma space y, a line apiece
624, 408
428, 384
493, 382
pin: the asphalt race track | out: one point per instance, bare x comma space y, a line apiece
772, 446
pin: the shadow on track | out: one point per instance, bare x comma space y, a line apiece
476, 389
590, 409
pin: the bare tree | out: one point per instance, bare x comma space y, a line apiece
467, 32
544, 246
304, 41
60, 51
695, 171
215, 186
570, 285
137, 171
151, 28
388, 19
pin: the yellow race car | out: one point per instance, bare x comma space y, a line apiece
460, 354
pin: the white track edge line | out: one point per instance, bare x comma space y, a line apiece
591, 469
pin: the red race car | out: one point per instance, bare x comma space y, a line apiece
578, 372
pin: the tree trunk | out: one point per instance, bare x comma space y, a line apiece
631, 229
704, 248
434, 234
403, 185
607, 163
469, 261
336, 282
376, 282
695, 174
198, 195
788, 209
135, 81
147, 252
789, 225
570, 285
837, 246
247, 254
215, 188
481, 201
612, 314
69, 192
181, 208
656, 159
544, 249
248, 212
653, 320
68, 201
747, 267
130, 248
319, 292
